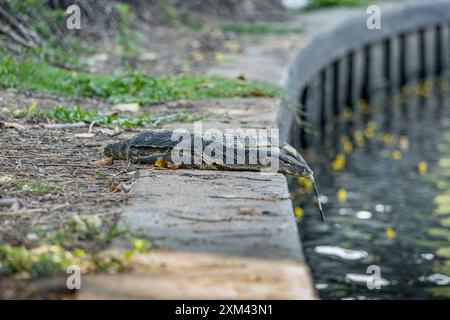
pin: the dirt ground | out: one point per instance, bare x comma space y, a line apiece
49, 174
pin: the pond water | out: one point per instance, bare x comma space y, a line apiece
384, 176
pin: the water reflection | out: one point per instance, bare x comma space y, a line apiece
387, 191
342, 253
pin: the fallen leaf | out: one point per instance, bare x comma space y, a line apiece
174, 166
397, 155
32, 108
298, 213
346, 144
338, 163
369, 131
258, 93
232, 46
388, 138
390, 233
148, 56
13, 125
249, 212
114, 187
342, 195
84, 135
359, 137
305, 183
104, 162
5, 179
422, 167
163, 163
126, 107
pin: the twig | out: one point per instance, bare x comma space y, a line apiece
22, 212
64, 125
91, 126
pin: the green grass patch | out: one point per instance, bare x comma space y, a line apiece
52, 252
258, 28
178, 17
128, 88
315, 4
33, 187
78, 114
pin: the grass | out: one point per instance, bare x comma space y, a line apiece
127, 88
52, 252
33, 187
258, 28
180, 18
314, 4
65, 114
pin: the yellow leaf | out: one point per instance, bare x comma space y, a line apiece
338, 163
346, 144
342, 195
390, 233
305, 183
32, 108
348, 113
298, 213
359, 137
422, 90
397, 155
364, 106
370, 130
423, 167
388, 138
161, 163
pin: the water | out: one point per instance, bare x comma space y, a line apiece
384, 173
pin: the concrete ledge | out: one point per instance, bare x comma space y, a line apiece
168, 275
235, 213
